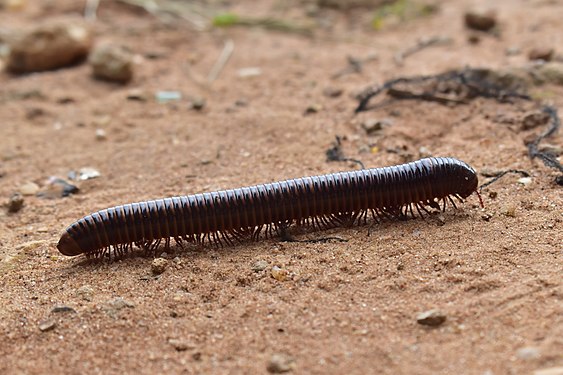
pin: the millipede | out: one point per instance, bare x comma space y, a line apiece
223, 217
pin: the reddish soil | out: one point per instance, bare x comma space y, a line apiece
346, 307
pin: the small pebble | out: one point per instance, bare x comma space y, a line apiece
168, 96
528, 353
101, 135
30, 188
279, 274
260, 265
137, 94
559, 180
62, 308
86, 292
49, 46
312, 109
441, 220
249, 72
180, 345
482, 21
47, 325
280, 363
112, 63
487, 216
372, 126
474, 38
15, 203
158, 266
33, 113
512, 51
197, 103
84, 174
509, 210
241, 103
525, 180
432, 318
119, 303
57, 188
541, 53
332, 92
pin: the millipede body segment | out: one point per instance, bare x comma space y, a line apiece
227, 215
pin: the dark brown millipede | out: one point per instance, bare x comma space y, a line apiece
224, 216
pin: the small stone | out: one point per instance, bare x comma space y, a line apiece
512, 51
541, 53
528, 353
279, 274
482, 21
372, 126
84, 174
49, 46
259, 266
197, 103
280, 363
559, 180
158, 266
249, 72
312, 109
509, 210
168, 96
525, 180
549, 371
487, 216
241, 103
86, 292
101, 135
47, 325
62, 308
474, 38
534, 119
432, 318
112, 63
180, 345
137, 94
33, 113
30, 188
441, 220
15, 203
57, 188
119, 303
332, 92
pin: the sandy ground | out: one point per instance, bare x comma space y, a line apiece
347, 307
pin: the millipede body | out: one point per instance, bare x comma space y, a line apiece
321, 201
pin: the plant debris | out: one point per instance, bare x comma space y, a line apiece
459, 87
455, 87
548, 158
335, 153
497, 175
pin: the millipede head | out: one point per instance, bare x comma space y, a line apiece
467, 181
68, 246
